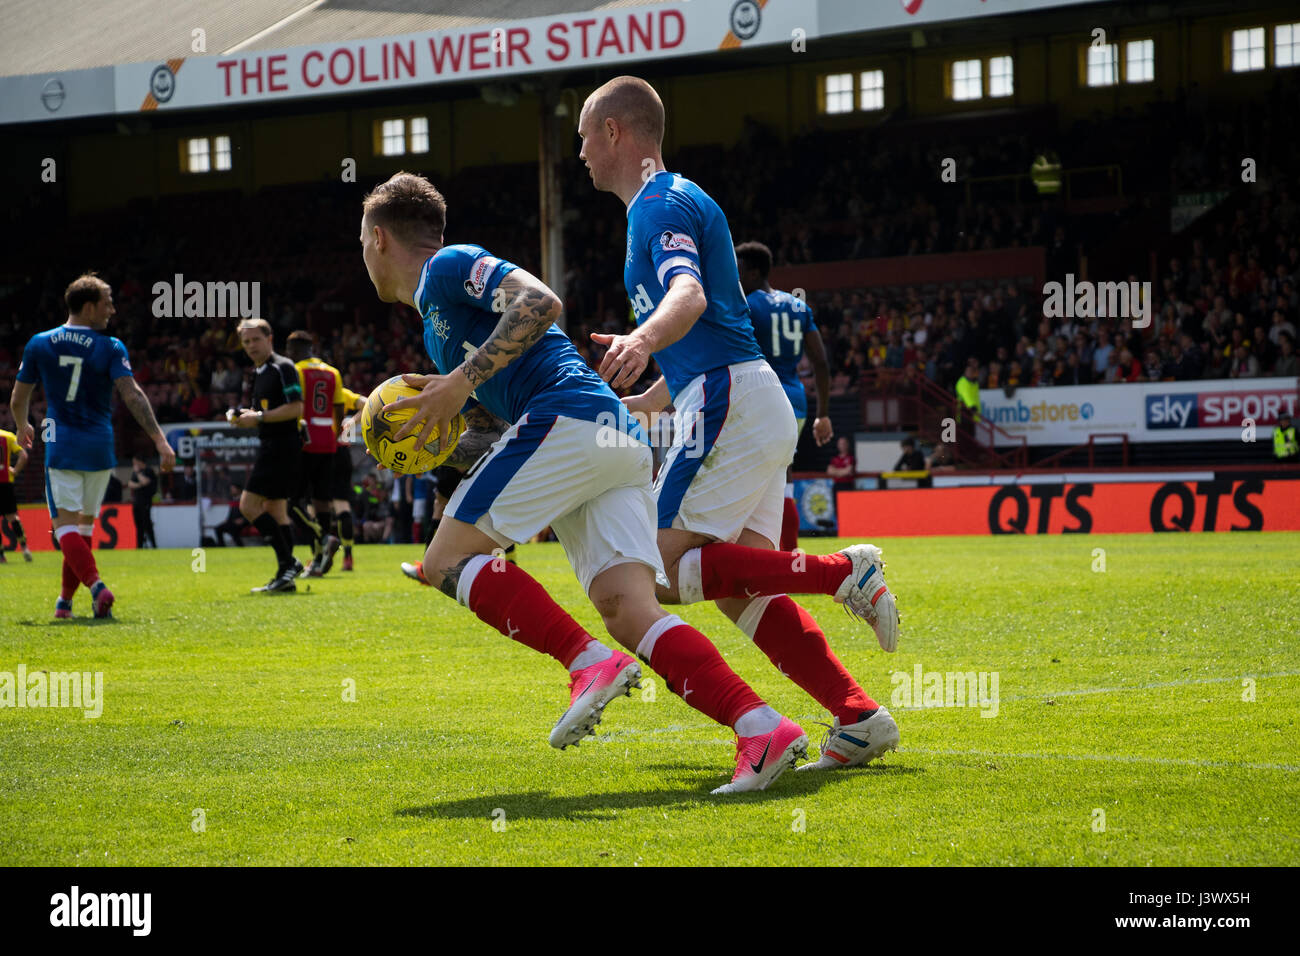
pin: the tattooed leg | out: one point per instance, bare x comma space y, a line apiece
451, 577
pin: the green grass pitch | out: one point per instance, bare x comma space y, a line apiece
1125, 732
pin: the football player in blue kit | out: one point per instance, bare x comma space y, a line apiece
572, 458
80, 367
719, 500
785, 329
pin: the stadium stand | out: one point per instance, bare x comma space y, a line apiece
1225, 288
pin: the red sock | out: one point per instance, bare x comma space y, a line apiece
733, 570
694, 670
790, 526
77, 554
70, 582
507, 597
791, 639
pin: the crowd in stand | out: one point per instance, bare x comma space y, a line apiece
1228, 310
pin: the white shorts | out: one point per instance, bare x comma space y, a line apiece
419, 508
589, 482
75, 490
726, 469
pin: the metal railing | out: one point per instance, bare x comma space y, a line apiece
920, 404
1090, 444
1114, 174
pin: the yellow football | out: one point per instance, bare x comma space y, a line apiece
378, 428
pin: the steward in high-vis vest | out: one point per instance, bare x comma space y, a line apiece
968, 392
1285, 447
1046, 173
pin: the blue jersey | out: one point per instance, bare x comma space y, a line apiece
77, 367
674, 228
420, 486
780, 321
455, 297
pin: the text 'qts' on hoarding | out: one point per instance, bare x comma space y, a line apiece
1082, 508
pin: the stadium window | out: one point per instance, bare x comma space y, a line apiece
419, 138
1286, 45
198, 156
1247, 50
1103, 65
206, 154
837, 93
967, 80
1002, 80
396, 137
1139, 61
871, 90
221, 152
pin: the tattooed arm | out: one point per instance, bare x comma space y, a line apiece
482, 429
529, 310
133, 396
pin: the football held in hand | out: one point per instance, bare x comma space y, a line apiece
378, 427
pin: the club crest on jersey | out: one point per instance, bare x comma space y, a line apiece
478, 276
440, 325
677, 240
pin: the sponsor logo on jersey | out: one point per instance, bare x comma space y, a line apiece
676, 240
478, 276
642, 304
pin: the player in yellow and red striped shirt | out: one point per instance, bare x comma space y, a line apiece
9, 470
323, 406
342, 477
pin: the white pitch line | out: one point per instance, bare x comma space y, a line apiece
273, 27
1187, 682
1106, 758
806, 718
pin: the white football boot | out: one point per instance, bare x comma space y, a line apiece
866, 596
852, 745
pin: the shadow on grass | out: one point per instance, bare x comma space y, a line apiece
542, 805
696, 784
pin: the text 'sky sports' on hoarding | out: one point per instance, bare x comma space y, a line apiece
1203, 410
1082, 508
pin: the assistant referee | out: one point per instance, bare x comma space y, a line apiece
277, 405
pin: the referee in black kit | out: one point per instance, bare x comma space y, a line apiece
277, 405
